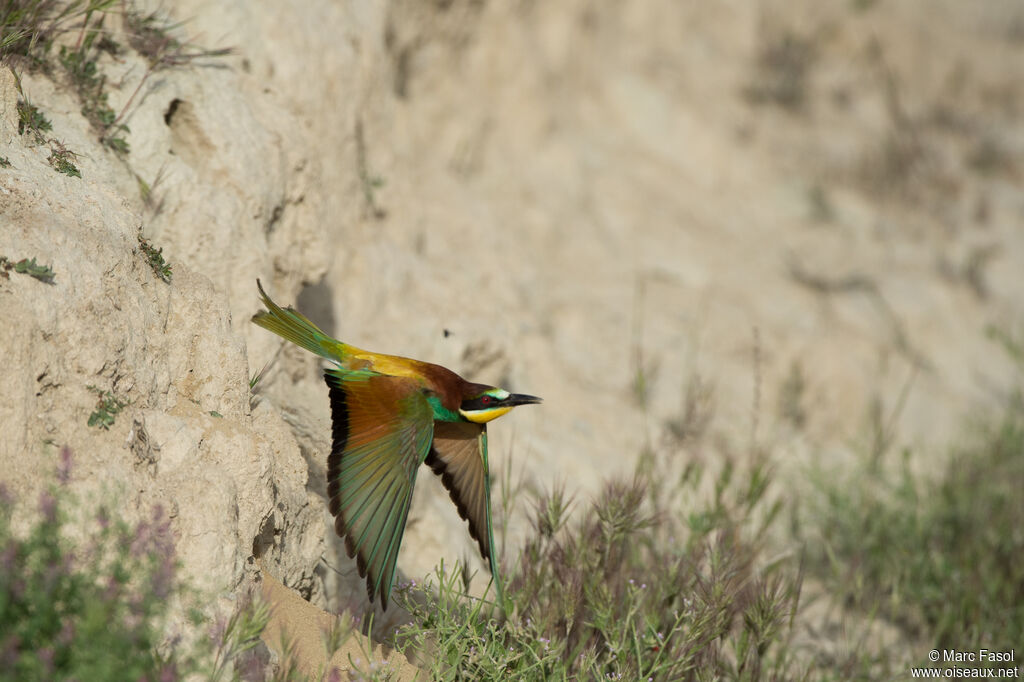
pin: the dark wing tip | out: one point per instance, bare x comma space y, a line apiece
350, 549
437, 465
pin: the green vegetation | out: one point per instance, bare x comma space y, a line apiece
155, 259
370, 182
254, 383
60, 159
93, 612
938, 557
792, 398
107, 408
79, 63
659, 579
653, 581
680, 573
100, 609
151, 36
938, 554
27, 266
29, 32
27, 27
31, 120
239, 643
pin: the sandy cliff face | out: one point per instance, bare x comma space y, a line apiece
776, 217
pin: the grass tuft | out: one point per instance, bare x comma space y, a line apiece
31, 120
27, 28
152, 36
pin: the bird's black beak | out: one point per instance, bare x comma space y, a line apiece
521, 399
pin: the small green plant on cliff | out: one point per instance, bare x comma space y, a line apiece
369, 181
32, 121
60, 159
80, 64
107, 408
27, 266
155, 259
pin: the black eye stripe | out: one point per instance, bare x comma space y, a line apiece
479, 403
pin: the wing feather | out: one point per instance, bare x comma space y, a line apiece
458, 454
382, 428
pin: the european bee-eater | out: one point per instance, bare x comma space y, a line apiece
390, 415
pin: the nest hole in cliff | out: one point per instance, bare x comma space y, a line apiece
264, 540
316, 301
172, 109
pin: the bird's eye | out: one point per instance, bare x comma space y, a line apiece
486, 400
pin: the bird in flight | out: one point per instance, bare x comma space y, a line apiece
389, 415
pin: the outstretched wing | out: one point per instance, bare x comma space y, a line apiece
458, 455
382, 428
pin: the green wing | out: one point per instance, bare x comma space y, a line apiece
458, 455
382, 428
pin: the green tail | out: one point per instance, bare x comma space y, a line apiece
290, 324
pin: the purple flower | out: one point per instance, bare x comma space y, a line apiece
168, 673
103, 518
48, 506
163, 578
113, 589
64, 466
45, 655
67, 632
8, 556
9, 651
217, 630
